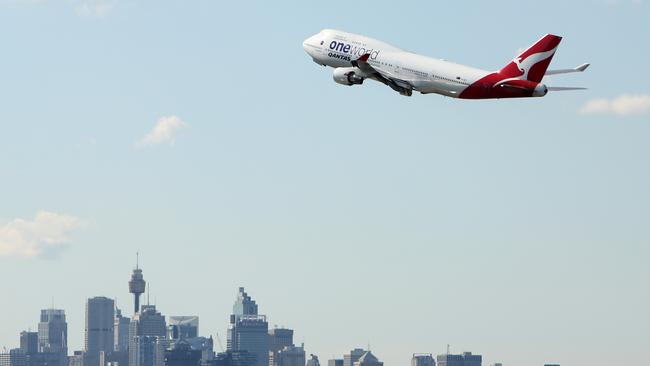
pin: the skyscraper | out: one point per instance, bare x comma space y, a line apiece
147, 336
53, 332
423, 359
28, 342
99, 335
121, 331
335, 362
279, 338
466, 359
289, 356
248, 331
313, 361
15, 357
352, 357
368, 359
183, 327
137, 285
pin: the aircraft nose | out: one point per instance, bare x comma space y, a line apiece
309, 44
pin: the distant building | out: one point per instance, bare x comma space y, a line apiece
352, 357
121, 332
466, 359
497, 364
53, 332
234, 358
29, 342
183, 327
181, 354
99, 335
47, 359
335, 362
313, 360
15, 357
279, 338
77, 359
368, 359
204, 345
289, 356
248, 331
147, 337
423, 359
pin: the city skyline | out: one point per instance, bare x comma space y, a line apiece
201, 135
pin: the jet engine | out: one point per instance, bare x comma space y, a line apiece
348, 76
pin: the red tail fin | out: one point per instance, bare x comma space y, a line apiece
532, 63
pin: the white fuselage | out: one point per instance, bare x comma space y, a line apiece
423, 74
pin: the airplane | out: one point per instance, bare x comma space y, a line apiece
356, 58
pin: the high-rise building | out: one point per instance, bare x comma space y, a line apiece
234, 358
466, 359
289, 356
121, 331
53, 332
279, 338
99, 335
28, 342
15, 357
183, 327
248, 331
423, 359
352, 357
182, 354
147, 337
313, 360
335, 362
137, 285
368, 359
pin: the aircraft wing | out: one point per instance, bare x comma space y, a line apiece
402, 86
580, 68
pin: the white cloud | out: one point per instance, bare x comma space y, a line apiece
45, 236
624, 105
94, 8
165, 131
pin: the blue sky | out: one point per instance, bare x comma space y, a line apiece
517, 229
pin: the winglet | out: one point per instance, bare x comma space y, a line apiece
582, 67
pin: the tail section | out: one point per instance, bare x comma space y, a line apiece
532, 64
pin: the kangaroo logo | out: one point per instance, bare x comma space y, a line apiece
524, 65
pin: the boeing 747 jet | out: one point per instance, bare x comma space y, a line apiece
356, 58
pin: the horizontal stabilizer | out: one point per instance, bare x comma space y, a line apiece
580, 68
564, 88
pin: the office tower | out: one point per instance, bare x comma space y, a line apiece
352, 357
137, 285
289, 356
77, 359
313, 361
335, 362
182, 354
183, 327
466, 359
47, 359
15, 357
279, 338
234, 358
248, 331
99, 335
147, 337
423, 359
368, 359
203, 344
28, 342
53, 332
121, 332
